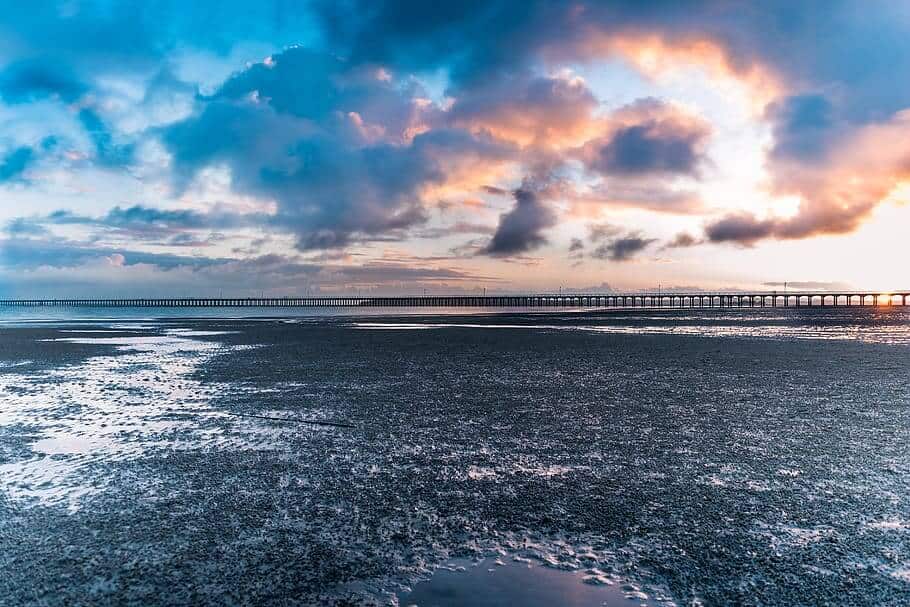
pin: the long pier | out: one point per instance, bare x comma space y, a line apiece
594, 300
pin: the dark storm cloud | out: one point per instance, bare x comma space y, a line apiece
623, 248
577, 244
521, 229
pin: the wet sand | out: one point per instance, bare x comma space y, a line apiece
717, 470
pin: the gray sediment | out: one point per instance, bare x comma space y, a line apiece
699, 469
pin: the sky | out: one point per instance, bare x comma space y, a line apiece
289, 147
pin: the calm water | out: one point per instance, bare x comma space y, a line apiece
574, 458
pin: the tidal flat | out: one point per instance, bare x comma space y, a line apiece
624, 460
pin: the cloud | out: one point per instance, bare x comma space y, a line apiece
144, 223
521, 229
644, 155
803, 127
649, 194
740, 228
35, 79
339, 136
40, 268
495, 191
839, 182
30, 253
644, 148
104, 38
139, 217
22, 226
836, 193
682, 240
599, 231
615, 244
650, 138
474, 40
459, 227
830, 75
90, 61
543, 111
107, 151
814, 218
623, 248
15, 162
342, 150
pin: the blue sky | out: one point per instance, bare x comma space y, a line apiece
291, 147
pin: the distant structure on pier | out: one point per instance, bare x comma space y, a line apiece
617, 301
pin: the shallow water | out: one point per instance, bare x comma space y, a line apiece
675, 458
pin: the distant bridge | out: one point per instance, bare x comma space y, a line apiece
593, 300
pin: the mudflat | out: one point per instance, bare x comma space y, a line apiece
177, 462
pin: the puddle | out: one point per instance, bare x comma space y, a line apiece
504, 583
890, 334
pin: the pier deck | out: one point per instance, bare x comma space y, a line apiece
605, 300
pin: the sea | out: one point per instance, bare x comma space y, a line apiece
444, 458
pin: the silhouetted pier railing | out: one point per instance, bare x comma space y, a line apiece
627, 300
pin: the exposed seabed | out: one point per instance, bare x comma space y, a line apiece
671, 460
